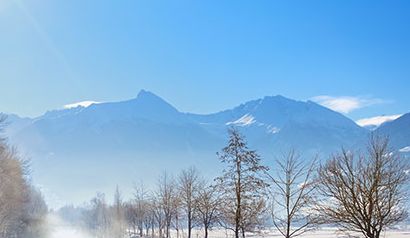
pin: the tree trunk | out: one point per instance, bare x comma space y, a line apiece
238, 198
152, 231
177, 225
189, 224
236, 231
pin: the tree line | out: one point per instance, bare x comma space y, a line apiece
359, 192
22, 208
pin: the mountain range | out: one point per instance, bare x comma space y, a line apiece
77, 151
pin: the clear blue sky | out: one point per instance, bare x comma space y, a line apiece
204, 56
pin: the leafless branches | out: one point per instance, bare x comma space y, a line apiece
293, 195
364, 192
22, 208
241, 186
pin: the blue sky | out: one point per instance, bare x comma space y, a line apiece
205, 56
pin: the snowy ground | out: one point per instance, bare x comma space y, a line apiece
323, 233
58, 229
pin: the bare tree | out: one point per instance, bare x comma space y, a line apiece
206, 208
176, 219
144, 212
35, 211
159, 216
131, 216
188, 183
241, 185
22, 208
12, 193
149, 219
293, 195
97, 218
166, 195
141, 206
118, 222
365, 192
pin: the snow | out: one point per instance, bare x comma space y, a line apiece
59, 229
245, 120
321, 233
405, 149
80, 104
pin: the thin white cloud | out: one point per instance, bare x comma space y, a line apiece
376, 121
80, 104
405, 149
346, 104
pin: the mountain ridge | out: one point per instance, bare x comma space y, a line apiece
135, 138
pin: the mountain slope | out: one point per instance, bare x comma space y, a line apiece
398, 132
122, 142
278, 122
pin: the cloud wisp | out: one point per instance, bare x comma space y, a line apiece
346, 104
405, 149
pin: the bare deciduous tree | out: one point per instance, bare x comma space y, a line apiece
158, 215
149, 218
166, 195
118, 222
293, 195
365, 192
131, 217
188, 183
206, 208
141, 206
241, 185
35, 211
22, 208
97, 218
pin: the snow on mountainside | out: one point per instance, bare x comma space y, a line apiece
80, 104
398, 131
142, 124
277, 122
148, 122
145, 106
128, 140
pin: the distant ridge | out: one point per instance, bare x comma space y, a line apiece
137, 138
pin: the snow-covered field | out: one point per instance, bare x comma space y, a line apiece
58, 229
323, 233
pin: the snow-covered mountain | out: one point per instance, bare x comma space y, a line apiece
148, 123
275, 124
78, 151
398, 132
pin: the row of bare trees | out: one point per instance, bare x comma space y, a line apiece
361, 193
178, 203
22, 208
